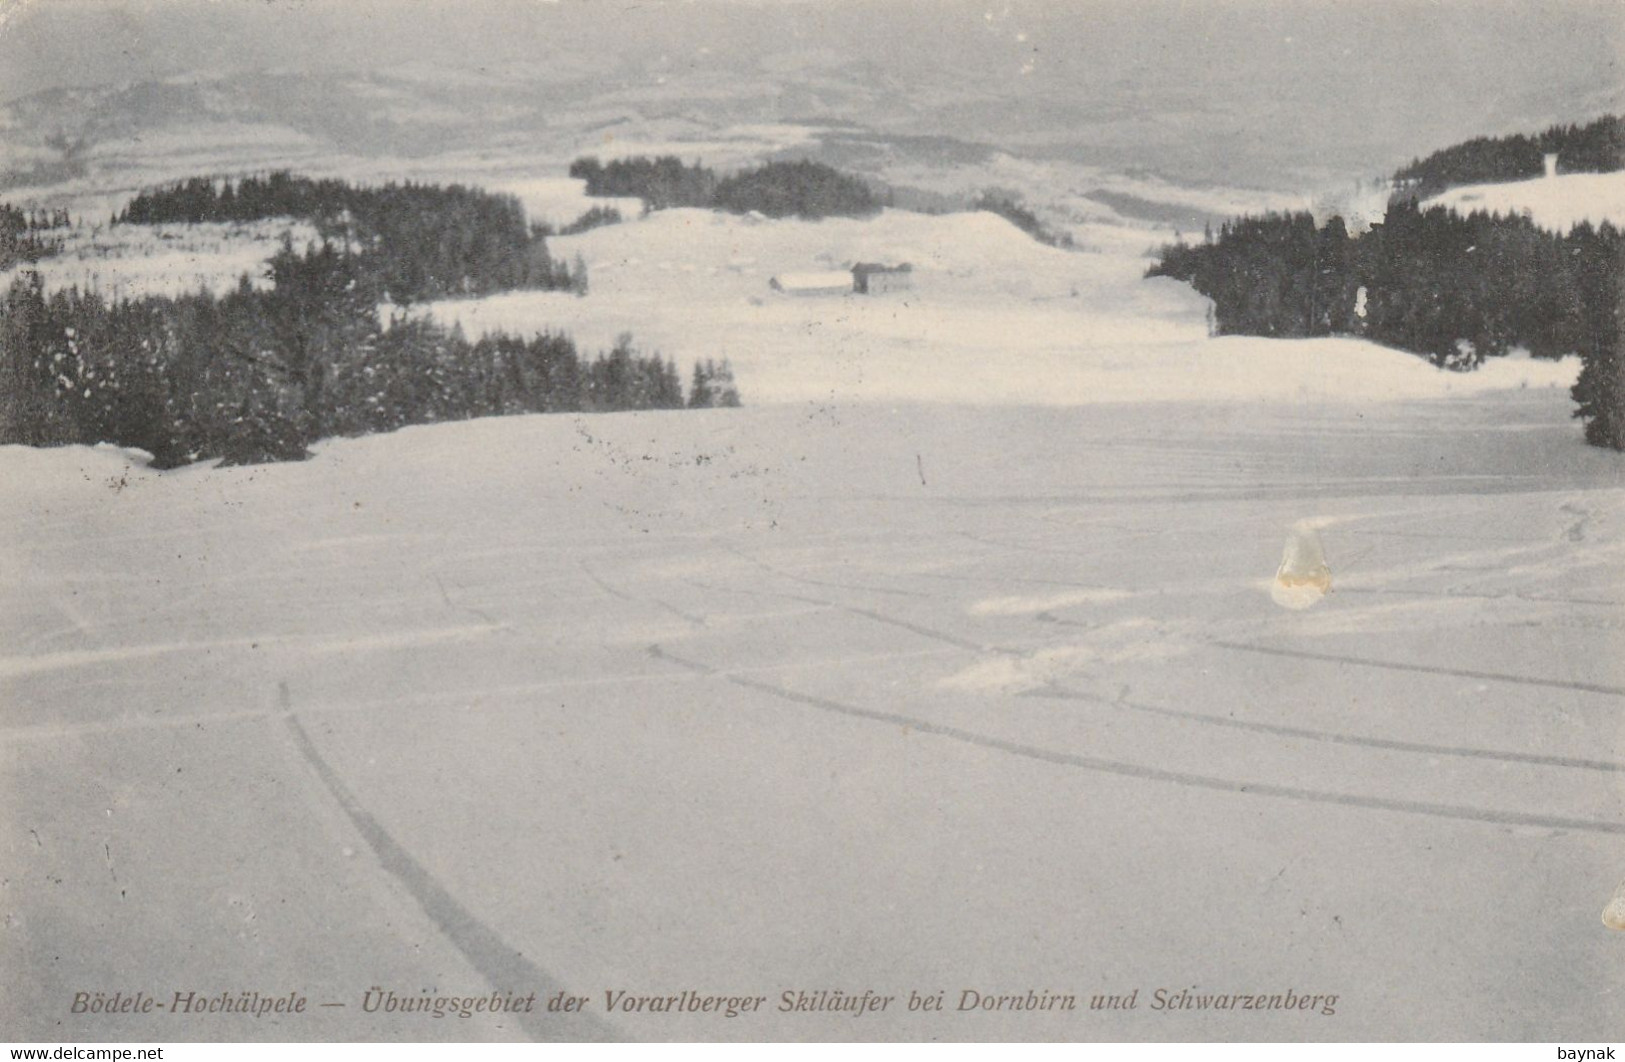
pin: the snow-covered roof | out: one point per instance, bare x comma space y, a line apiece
833, 280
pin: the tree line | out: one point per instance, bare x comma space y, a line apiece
1596, 147
593, 218
259, 374
26, 235
802, 189
1451, 288
413, 242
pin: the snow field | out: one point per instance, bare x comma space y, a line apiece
1558, 203
835, 695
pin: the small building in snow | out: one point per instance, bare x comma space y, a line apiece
1551, 163
871, 278
837, 282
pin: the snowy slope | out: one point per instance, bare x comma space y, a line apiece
1557, 203
856, 696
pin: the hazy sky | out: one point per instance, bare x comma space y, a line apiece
1383, 76
45, 43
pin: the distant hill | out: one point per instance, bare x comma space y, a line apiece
1199, 93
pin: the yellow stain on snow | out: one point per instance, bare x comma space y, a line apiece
1303, 577
1613, 916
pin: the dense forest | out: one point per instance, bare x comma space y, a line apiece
26, 235
1598, 147
801, 189
1454, 289
795, 189
662, 183
257, 375
413, 241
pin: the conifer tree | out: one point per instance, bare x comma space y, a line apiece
700, 394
